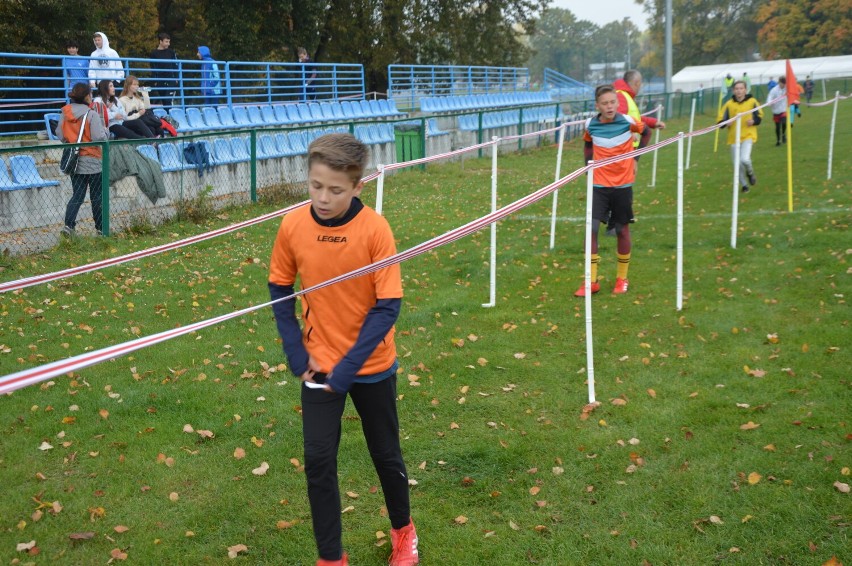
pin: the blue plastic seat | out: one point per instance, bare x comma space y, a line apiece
171, 158
149, 151
25, 172
281, 114
363, 134
51, 131
432, 128
268, 115
222, 151
366, 109
226, 117
282, 143
241, 116
293, 113
348, 110
337, 111
393, 107
159, 111
212, 119
327, 112
240, 150
195, 119
298, 142
304, 113
255, 116
6, 182
375, 108
316, 112
180, 116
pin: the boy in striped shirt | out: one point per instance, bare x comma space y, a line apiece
610, 134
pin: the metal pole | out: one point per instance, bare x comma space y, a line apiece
587, 268
679, 283
831, 136
556, 192
492, 301
735, 206
691, 124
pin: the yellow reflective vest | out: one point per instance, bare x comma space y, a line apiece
633, 112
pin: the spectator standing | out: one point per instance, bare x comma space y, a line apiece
771, 84
75, 69
115, 116
346, 348
211, 86
309, 74
104, 62
747, 82
164, 71
809, 89
779, 110
88, 174
729, 87
742, 103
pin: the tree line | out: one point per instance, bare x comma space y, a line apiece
377, 33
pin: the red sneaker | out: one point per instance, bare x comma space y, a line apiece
581, 292
342, 562
620, 286
404, 543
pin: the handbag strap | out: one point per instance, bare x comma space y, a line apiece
82, 127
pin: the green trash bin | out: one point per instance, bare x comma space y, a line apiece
409, 142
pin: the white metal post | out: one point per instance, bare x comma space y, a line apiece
493, 284
689, 142
556, 192
656, 141
831, 135
587, 266
380, 188
735, 206
679, 283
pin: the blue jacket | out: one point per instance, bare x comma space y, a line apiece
210, 81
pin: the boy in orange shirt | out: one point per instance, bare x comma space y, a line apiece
347, 344
610, 134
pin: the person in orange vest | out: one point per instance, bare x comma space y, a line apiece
88, 173
626, 89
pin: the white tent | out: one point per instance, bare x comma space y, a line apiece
690, 79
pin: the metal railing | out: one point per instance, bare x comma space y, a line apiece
408, 83
564, 87
32, 84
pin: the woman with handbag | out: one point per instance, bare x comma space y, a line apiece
138, 106
78, 123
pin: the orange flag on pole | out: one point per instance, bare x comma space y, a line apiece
792, 86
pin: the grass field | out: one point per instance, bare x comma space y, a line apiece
723, 434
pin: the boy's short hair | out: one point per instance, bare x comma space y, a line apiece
602, 90
738, 82
71, 43
301, 51
339, 152
782, 80
163, 35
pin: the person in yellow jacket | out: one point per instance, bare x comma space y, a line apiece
742, 103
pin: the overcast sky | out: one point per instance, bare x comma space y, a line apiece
605, 12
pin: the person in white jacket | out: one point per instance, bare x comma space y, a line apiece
779, 110
104, 63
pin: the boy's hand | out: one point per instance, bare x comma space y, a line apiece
661, 125
314, 368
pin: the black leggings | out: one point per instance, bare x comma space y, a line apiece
321, 413
131, 130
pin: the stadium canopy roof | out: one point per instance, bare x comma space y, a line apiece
690, 79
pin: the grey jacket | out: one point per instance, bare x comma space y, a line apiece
88, 165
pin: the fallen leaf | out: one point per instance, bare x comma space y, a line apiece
749, 426
239, 453
348, 509
261, 470
652, 393
45, 446
618, 401
120, 529
104, 414
281, 525
118, 554
173, 496
88, 535
754, 478
534, 490
188, 428
234, 551
514, 526
460, 520
716, 520
841, 487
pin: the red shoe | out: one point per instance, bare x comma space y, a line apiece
342, 562
404, 542
620, 286
581, 292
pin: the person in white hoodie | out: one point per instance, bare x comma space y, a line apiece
104, 63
